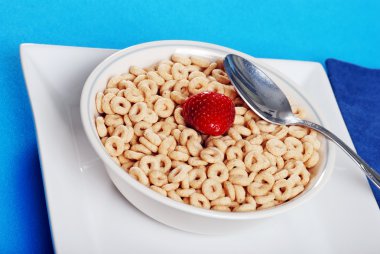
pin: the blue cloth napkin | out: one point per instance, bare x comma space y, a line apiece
357, 91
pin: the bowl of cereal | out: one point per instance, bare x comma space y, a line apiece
131, 109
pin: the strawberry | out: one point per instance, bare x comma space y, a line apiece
209, 113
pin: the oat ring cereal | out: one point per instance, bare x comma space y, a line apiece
218, 171
211, 155
125, 133
164, 162
196, 177
194, 147
196, 162
212, 189
164, 71
234, 152
179, 71
262, 184
255, 161
293, 144
282, 190
199, 200
101, 127
198, 85
149, 163
167, 145
158, 178
138, 111
255, 165
164, 107
187, 134
133, 95
114, 146
276, 147
120, 105
139, 175
179, 173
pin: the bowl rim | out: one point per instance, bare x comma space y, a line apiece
111, 165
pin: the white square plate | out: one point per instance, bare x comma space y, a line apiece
88, 215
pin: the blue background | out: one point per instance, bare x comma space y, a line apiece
305, 30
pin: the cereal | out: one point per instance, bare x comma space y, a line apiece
159, 190
152, 75
177, 97
181, 59
212, 189
254, 166
218, 171
149, 163
164, 107
195, 74
196, 177
140, 128
256, 161
178, 156
198, 85
136, 70
98, 102
220, 76
167, 145
313, 160
185, 193
261, 200
152, 137
179, 173
164, 163
151, 116
200, 61
139, 175
165, 71
120, 105
114, 146
144, 141
209, 69
262, 184
170, 186
182, 87
282, 190
211, 155
133, 155
239, 193
199, 200
124, 132
138, 112
139, 78
158, 178
276, 147
173, 195
106, 107
114, 91
133, 95
148, 87
179, 71
194, 147
234, 152
196, 162
101, 127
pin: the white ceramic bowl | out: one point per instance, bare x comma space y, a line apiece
165, 210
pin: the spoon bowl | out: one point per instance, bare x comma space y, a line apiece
267, 100
258, 90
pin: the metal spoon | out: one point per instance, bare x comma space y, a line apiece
265, 98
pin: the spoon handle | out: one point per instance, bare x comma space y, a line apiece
370, 172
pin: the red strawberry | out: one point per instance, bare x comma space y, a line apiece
208, 112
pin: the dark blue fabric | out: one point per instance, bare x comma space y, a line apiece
357, 90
